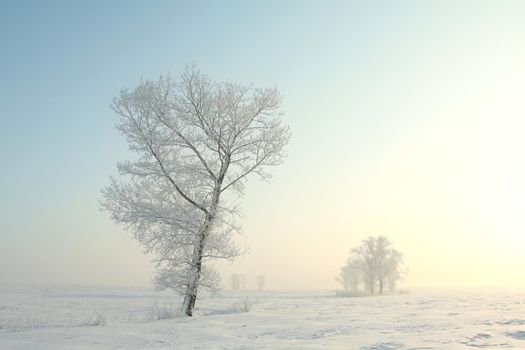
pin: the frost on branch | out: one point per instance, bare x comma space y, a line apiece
195, 140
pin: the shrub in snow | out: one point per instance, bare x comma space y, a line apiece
97, 319
163, 312
244, 305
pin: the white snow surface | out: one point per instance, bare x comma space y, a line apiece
58, 318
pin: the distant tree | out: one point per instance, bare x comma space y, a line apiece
393, 278
379, 263
243, 281
350, 275
392, 272
261, 282
196, 140
235, 281
367, 264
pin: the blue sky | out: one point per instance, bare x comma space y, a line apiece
359, 79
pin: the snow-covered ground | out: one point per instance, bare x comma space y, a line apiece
73, 318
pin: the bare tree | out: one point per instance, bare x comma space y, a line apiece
196, 140
261, 282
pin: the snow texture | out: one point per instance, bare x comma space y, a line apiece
133, 318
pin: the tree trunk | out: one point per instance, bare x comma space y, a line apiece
193, 280
196, 261
380, 286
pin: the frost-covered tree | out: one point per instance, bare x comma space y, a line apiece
379, 263
394, 277
364, 257
350, 275
261, 282
197, 142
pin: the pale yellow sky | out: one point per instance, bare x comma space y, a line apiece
438, 167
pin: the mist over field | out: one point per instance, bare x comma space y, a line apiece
262, 175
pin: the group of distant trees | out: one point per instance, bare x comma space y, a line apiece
372, 267
238, 282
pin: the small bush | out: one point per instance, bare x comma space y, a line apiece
163, 312
244, 305
97, 319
